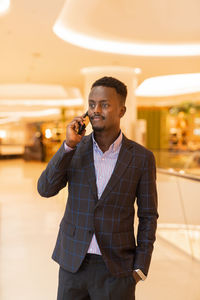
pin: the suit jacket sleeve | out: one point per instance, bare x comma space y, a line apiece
147, 214
55, 176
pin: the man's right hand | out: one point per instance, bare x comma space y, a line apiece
72, 136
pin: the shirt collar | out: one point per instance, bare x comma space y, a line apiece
114, 146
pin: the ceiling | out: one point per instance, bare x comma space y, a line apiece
30, 52
136, 27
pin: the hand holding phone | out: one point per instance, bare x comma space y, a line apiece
85, 123
75, 130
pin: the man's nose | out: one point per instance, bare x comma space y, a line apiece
97, 109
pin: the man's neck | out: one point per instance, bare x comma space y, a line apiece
105, 139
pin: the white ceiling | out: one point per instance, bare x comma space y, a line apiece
171, 21
31, 53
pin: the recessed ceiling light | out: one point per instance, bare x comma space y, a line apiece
4, 6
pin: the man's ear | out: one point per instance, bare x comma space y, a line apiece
122, 111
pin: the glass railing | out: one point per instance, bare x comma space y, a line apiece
179, 206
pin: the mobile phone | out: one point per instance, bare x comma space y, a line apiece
86, 121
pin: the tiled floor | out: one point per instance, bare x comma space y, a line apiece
29, 226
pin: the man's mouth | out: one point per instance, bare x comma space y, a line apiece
97, 118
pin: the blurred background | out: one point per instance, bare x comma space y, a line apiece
50, 54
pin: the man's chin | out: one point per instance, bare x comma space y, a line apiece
98, 128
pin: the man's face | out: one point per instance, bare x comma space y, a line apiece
105, 108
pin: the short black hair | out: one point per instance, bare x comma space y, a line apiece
112, 82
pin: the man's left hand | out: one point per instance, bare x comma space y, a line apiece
136, 277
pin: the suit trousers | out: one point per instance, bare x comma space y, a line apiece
93, 281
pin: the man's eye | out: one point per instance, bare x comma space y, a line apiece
105, 105
92, 105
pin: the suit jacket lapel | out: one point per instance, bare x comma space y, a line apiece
124, 158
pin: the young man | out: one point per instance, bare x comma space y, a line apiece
96, 249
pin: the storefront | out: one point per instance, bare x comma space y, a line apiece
173, 134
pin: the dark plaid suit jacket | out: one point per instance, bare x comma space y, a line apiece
111, 217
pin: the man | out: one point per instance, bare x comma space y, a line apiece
105, 172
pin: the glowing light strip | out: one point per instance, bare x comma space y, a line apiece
9, 120
169, 85
4, 6
42, 102
110, 46
40, 113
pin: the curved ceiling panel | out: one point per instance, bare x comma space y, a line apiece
136, 27
169, 85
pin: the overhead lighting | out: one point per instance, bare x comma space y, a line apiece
39, 95
169, 85
138, 49
28, 114
2, 134
38, 91
137, 71
4, 6
144, 28
9, 120
42, 102
48, 133
8, 117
